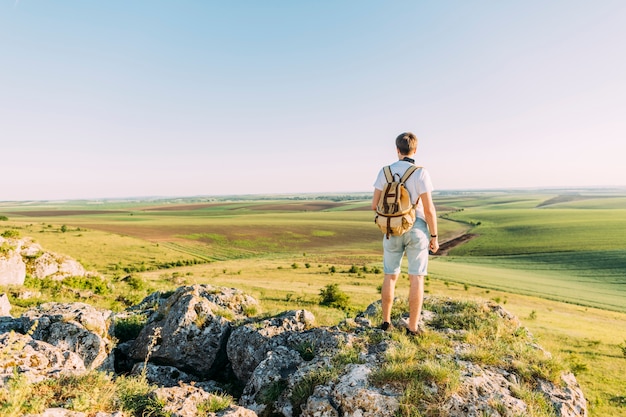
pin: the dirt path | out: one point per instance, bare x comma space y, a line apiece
453, 243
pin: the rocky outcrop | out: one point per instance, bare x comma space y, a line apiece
12, 266
249, 344
191, 328
20, 257
184, 400
77, 327
198, 341
5, 306
35, 359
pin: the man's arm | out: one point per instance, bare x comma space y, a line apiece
431, 219
376, 198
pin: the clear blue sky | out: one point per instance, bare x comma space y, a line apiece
126, 98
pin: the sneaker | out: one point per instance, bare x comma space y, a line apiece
385, 326
416, 333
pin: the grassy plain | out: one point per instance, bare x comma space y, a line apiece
556, 260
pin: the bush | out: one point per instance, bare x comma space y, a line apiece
128, 328
4, 218
332, 296
11, 233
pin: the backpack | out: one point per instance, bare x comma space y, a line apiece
394, 213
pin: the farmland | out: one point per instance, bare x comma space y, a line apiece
557, 259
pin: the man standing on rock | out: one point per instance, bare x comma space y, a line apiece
416, 242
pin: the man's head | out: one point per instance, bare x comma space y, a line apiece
406, 143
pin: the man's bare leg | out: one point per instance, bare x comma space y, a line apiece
387, 295
416, 299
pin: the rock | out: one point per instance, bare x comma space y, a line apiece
8, 324
164, 376
268, 377
34, 359
12, 266
352, 396
249, 344
191, 329
481, 391
50, 265
294, 358
21, 256
568, 400
5, 306
77, 327
183, 401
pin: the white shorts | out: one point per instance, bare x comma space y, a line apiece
414, 243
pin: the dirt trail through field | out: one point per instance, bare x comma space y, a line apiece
447, 246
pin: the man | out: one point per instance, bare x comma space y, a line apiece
416, 242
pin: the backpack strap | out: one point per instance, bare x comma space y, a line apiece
388, 174
410, 170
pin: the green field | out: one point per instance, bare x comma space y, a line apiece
556, 259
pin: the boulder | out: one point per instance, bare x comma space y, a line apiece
481, 391
51, 265
352, 396
269, 376
190, 329
77, 327
12, 266
34, 359
5, 306
183, 401
568, 399
164, 376
249, 344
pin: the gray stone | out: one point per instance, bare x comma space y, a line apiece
190, 329
183, 401
248, 344
5, 306
12, 266
34, 359
77, 327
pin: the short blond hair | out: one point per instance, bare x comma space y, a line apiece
406, 143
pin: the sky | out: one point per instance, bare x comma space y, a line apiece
118, 98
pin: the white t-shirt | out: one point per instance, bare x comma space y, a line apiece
418, 183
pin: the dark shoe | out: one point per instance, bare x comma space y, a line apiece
385, 326
416, 333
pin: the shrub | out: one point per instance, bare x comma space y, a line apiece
215, 404
11, 233
332, 296
95, 284
128, 328
4, 218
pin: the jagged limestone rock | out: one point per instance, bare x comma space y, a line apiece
12, 266
568, 399
34, 359
77, 327
248, 344
352, 396
183, 401
5, 306
191, 329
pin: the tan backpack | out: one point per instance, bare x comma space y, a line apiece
394, 213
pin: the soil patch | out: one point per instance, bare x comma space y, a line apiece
447, 246
299, 206
57, 213
186, 207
